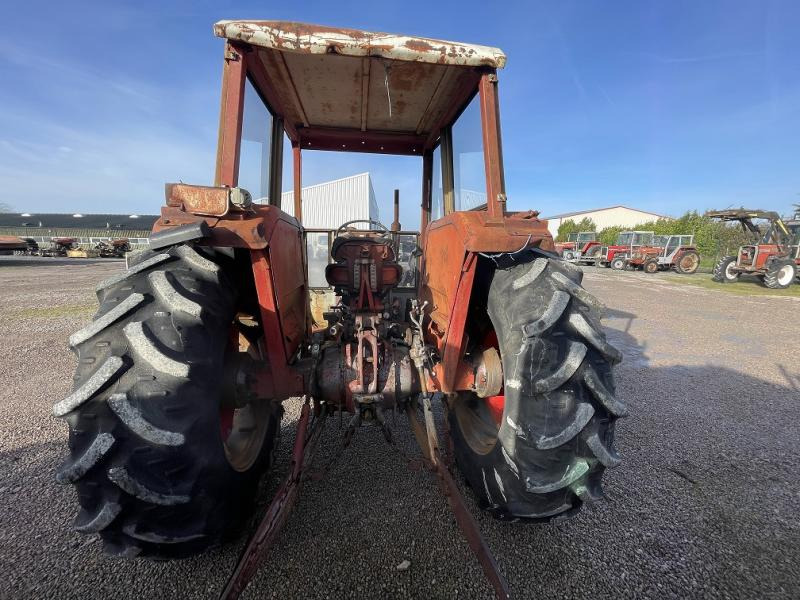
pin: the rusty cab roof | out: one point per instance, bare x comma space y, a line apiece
330, 84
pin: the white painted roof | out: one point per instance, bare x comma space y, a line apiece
287, 36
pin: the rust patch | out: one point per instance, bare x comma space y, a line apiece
198, 199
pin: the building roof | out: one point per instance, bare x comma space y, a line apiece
593, 210
78, 221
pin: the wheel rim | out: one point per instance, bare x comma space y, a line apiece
689, 262
479, 418
244, 429
729, 271
476, 419
785, 275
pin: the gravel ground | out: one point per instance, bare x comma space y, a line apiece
704, 505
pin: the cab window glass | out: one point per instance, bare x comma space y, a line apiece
469, 173
317, 251
255, 146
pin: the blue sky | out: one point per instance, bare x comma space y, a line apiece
662, 105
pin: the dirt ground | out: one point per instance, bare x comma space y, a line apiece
705, 504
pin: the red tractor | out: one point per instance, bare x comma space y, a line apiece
178, 393
617, 254
579, 247
774, 256
676, 252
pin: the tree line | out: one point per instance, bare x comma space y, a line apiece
712, 238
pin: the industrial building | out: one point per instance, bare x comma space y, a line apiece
88, 229
605, 217
328, 205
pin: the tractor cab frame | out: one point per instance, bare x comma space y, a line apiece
393, 95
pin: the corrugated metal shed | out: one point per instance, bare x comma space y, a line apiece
330, 204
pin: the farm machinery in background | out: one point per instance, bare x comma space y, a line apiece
675, 252
59, 247
177, 399
774, 255
70, 247
617, 254
11, 244
116, 248
580, 247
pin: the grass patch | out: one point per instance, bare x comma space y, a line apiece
54, 312
746, 286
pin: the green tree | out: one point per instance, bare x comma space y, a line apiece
570, 226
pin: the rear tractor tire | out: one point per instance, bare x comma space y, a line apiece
723, 272
539, 451
688, 263
780, 274
162, 467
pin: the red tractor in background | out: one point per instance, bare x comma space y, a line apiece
579, 247
178, 393
775, 254
616, 255
676, 252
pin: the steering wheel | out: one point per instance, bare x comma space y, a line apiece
380, 227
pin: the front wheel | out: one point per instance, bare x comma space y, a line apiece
780, 274
618, 264
163, 464
725, 270
539, 449
650, 266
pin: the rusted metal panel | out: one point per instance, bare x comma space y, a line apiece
304, 38
230, 120
453, 345
251, 229
285, 381
384, 89
427, 188
492, 147
199, 199
297, 180
354, 140
288, 276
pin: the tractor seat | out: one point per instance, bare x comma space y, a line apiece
362, 256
